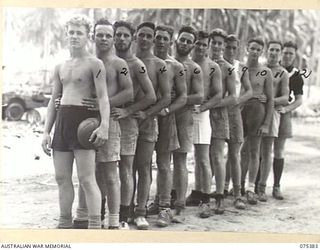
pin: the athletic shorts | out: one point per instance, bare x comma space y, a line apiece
110, 151
235, 124
66, 126
129, 135
168, 135
148, 129
285, 127
202, 128
184, 120
274, 125
219, 123
253, 114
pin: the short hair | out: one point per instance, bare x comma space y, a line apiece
276, 42
101, 21
80, 20
188, 29
290, 44
146, 24
218, 32
125, 24
257, 40
167, 28
232, 38
202, 35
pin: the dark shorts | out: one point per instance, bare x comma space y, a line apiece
148, 129
253, 114
235, 124
110, 151
66, 126
285, 128
129, 135
168, 135
184, 120
219, 123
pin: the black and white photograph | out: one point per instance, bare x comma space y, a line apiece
198, 120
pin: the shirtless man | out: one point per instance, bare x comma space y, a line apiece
280, 95
285, 129
120, 91
144, 96
80, 77
148, 123
194, 79
219, 115
212, 87
243, 93
255, 114
168, 137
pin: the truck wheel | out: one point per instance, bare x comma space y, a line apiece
14, 111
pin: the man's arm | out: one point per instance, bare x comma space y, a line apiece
283, 99
229, 99
197, 92
164, 88
147, 88
215, 90
181, 89
125, 83
268, 89
246, 86
100, 83
51, 111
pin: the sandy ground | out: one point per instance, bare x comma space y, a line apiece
29, 193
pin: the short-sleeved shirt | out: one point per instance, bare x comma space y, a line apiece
295, 82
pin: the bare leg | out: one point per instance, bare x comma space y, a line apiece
125, 168
180, 173
164, 179
244, 159
142, 163
63, 162
234, 159
197, 171
266, 162
254, 160
85, 160
203, 165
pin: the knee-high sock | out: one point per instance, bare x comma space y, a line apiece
277, 171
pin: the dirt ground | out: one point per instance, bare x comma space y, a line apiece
29, 193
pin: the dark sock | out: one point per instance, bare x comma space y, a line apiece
173, 194
277, 171
205, 198
124, 213
103, 208
256, 184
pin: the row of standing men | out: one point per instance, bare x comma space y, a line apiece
200, 98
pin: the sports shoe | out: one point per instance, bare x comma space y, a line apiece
252, 198
276, 193
204, 210
239, 203
219, 209
113, 227
153, 209
80, 224
141, 223
194, 198
124, 226
262, 193
164, 217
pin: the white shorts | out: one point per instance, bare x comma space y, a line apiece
201, 128
274, 125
